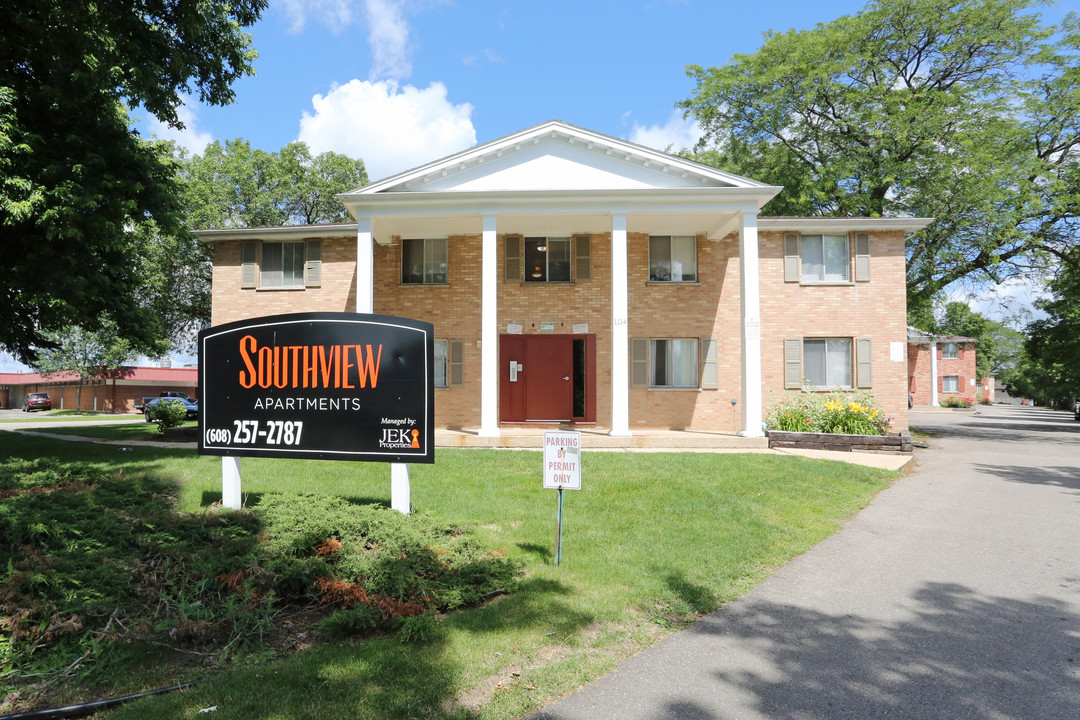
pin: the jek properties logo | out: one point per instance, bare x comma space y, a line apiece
332, 386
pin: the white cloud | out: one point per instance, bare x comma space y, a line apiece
1011, 302
190, 137
676, 133
388, 35
390, 128
335, 14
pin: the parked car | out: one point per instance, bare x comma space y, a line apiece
191, 407
140, 402
37, 401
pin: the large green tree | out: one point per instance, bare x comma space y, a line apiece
235, 185
75, 178
967, 111
1052, 366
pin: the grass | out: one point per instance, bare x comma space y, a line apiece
651, 542
124, 432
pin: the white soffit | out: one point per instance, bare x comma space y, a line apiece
555, 156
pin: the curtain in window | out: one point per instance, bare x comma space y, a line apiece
674, 363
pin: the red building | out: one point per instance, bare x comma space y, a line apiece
115, 392
940, 366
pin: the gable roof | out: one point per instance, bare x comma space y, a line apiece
556, 156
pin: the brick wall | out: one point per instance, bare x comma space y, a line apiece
706, 309
919, 372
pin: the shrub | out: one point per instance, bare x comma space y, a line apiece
843, 413
168, 413
956, 401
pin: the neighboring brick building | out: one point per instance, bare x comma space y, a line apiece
577, 278
115, 393
941, 366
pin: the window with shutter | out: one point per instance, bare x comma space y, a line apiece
709, 375
639, 362
793, 363
249, 264
862, 363
791, 258
313, 264
456, 369
582, 253
862, 257
512, 245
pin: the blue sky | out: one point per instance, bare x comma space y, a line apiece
401, 82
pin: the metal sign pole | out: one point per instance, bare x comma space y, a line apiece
558, 548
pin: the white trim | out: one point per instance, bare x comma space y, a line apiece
365, 268
830, 225
933, 374
553, 130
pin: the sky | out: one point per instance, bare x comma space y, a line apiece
399, 83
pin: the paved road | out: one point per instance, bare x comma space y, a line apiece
955, 594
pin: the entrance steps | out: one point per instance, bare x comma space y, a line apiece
598, 439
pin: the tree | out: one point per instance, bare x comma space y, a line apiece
967, 111
74, 177
234, 185
89, 355
1053, 344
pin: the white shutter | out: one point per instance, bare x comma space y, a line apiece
792, 271
862, 257
863, 376
249, 263
709, 376
793, 363
313, 263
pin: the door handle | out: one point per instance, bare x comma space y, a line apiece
566, 377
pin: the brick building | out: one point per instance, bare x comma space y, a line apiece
940, 366
114, 392
575, 278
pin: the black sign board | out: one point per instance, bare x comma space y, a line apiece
329, 386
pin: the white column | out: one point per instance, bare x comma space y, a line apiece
620, 331
933, 374
365, 267
489, 332
230, 482
750, 311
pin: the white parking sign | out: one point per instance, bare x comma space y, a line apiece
562, 460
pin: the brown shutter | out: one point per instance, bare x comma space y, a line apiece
862, 257
249, 260
313, 263
513, 258
793, 363
455, 376
792, 271
709, 376
582, 252
863, 377
639, 362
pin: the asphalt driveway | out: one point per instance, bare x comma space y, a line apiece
954, 594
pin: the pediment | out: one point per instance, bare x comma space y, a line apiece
556, 157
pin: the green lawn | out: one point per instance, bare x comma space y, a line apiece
651, 542
69, 416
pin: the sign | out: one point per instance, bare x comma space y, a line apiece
562, 460
329, 386
581, 328
512, 329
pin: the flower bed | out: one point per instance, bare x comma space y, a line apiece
832, 421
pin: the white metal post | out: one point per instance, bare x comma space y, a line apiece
400, 492
230, 482
933, 374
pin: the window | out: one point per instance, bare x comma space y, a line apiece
827, 362
423, 261
449, 363
672, 258
282, 265
825, 258
547, 259
950, 383
948, 352
673, 363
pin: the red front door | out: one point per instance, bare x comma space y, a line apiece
539, 375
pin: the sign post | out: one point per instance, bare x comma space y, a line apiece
562, 470
326, 386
